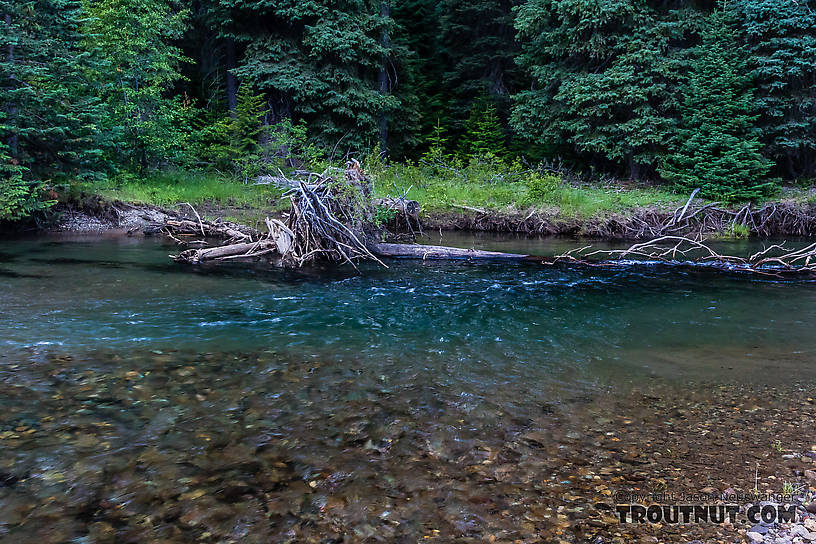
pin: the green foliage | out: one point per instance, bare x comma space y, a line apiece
171, 187
18, 198
720, 96
483, 137
245, 125
138, 65
603, 73
288, 140
735, 231
437, 144
233, 142
48, 114
540, 187
321, 61
719, 149
505, 189
383, 215
782, 46
478, 53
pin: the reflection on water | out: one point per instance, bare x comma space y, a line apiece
140, 400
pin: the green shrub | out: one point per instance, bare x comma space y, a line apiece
18, 198
541, 186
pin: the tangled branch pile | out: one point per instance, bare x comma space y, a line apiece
328, 219
331, 218
775, 260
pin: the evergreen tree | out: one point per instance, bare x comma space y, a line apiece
718, 146
139, 65
781, 36
49, 113
604, 74
233, 140
18, 198
437, 145
245, 126
483, 133
478, 50
322, 61
420, 72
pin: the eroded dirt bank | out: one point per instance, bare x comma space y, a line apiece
786, 218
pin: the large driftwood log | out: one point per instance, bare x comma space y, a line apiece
251, 251
416, 251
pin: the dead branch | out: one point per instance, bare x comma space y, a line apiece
776, 260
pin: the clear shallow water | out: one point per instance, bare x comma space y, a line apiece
143, 401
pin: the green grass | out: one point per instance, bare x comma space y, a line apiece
493, 188
169, 188
483, 188
215, 195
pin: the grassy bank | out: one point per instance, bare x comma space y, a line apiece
450, 196
481, 189
213, 195
475, 189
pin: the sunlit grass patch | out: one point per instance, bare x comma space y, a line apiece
173, 187
440, 190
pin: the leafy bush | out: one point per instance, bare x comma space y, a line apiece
384, 215
541, 186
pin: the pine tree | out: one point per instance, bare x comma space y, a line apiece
781, 37
420, 72
19, 197
604, 72
437, 145
718, 146
483, 135
478, 49
321, 61
138, 65
245, 126
50, 115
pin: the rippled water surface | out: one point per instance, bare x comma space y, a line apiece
142, 399
461, 321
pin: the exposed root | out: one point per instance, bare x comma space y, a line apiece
772, 219
330, 219
326, 220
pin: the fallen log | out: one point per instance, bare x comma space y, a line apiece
250, 250
416, 251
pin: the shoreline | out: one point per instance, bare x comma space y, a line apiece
783, 218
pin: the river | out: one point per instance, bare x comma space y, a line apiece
428, 401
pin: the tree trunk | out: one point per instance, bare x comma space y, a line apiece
385, 12
232, 82
412, 251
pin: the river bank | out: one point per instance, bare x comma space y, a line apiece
633, 213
